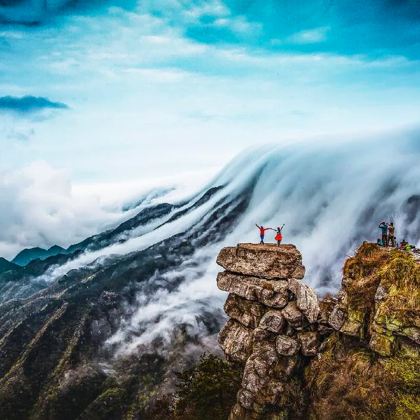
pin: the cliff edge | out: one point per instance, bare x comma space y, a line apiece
351, 356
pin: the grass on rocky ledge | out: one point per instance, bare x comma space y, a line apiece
349, 380
396, 271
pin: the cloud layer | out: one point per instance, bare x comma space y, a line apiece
331, 198
39, 207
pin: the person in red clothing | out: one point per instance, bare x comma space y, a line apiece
279, 236
262, 232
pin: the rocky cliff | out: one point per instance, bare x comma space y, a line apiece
353, 356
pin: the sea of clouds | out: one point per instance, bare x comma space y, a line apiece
41, 206
330, 196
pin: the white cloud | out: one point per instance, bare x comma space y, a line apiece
309, 36
214, 8
147, 99
40, 206
157, 315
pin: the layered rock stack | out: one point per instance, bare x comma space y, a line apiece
273, 328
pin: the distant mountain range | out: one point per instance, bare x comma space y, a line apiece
31, 254
7, 265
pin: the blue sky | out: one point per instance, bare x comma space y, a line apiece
124, 90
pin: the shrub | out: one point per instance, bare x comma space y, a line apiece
207, 390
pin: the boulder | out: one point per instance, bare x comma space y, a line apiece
287, 346
382, 344
271, 393
292, 315
236, 341
337, 317
258, 368
246, 312
413, 333
237, 412
354, 323
285, 367
246, 398
326, 305
306, 299
265, 261
273, 321
272, 293
309, 341
261, 336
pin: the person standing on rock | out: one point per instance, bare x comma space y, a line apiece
391, 237
262, 232
279, 236
384, 228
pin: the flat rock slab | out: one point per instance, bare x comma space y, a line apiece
264, 261
272, 293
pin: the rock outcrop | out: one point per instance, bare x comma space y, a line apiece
351, 356
369, 367
272, 328
379, 301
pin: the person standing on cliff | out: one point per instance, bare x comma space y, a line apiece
279, 236
391, 237
262, 232
384, 228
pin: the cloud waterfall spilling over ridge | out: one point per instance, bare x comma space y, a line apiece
330, 197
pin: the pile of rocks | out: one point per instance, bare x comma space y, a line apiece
275, 326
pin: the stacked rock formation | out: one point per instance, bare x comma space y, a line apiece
273, 327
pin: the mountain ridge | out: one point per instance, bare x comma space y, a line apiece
138, 302
6, 265
28, 255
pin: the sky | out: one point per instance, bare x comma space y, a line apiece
99, 99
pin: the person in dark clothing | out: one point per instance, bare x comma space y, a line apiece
391, 237
384, 228
279, 236
262, 232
